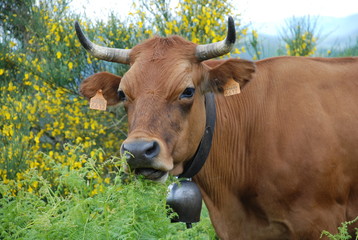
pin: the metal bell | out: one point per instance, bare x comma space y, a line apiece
185, 200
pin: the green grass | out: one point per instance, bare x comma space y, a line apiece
130, 208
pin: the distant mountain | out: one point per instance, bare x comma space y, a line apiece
334, 33
338, 31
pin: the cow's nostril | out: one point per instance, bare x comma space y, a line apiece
141, 150
152, 151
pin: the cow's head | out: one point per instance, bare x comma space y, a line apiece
163, 94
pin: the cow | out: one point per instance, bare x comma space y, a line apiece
283, 161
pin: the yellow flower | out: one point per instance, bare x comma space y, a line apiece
93, 192
39, 68
70, 65
11, 87
19, 176
77, 165
7, 116
26, 76
149, 32
12, 44
2, 71
58, 54
206, 28
254, 34
35, 184
237, 51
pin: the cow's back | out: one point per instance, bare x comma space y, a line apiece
288, 144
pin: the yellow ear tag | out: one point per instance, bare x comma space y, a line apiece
231, 88
98, 102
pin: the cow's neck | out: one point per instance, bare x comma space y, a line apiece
228, 158
228, 172
199, 159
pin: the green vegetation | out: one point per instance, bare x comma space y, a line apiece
342, 232
66, 208
300, 36
254, 46
349, 50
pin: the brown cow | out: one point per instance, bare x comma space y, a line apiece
284, 157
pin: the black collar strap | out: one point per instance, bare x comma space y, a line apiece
197, 162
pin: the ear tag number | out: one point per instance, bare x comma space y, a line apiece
98, 102
231, 88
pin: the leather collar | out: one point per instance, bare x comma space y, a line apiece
196, 163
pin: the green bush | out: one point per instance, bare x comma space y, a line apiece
123, 208
300, 36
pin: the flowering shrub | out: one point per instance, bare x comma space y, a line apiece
40, 110
120, 208
254, 45
300, 36
42, 123
40, 107
200, 21
57, 156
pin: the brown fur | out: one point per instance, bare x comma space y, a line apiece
284, 159
158, 48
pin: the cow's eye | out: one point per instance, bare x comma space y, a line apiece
122, 96
188, 93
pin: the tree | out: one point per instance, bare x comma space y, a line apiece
199, 21
14, 15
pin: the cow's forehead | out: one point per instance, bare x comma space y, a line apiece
162, 65
158, 48
159, 77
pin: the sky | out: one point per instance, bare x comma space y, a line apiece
261, 10
262, 13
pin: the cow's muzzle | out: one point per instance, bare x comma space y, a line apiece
141, 157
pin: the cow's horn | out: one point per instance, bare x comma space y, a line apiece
212, 50
104, 53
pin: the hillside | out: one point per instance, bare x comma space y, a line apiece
334, 33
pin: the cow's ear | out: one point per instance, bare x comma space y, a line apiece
104, 81
220, 72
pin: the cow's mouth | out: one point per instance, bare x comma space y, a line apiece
152, 174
